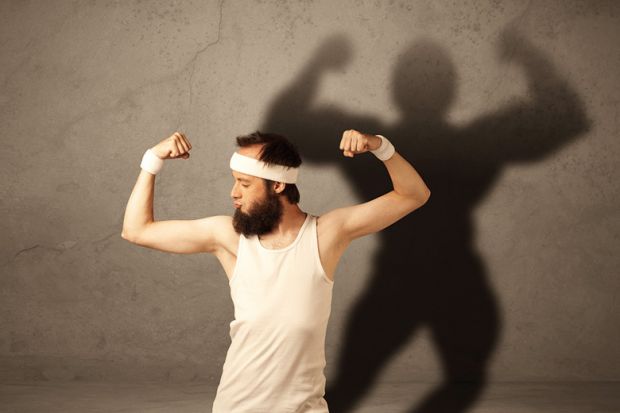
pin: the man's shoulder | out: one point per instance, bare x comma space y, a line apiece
331, 221
220, 227
222, 222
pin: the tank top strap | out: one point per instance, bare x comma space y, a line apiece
241, 247
310, 233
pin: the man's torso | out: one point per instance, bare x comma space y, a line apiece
330, 242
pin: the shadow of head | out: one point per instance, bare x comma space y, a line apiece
424, 81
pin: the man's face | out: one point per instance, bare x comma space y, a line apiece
260, 209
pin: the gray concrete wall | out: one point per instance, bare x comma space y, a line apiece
509, 110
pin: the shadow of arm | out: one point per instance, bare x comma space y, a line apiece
531, 128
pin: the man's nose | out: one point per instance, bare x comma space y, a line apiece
233, 192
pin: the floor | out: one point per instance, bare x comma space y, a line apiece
74, 397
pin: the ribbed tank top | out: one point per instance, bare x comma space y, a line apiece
282, 302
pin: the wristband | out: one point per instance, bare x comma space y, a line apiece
385, 151
151, 162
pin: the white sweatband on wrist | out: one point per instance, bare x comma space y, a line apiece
151, 162
386, 150
256, 167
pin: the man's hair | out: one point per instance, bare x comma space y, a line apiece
276, 150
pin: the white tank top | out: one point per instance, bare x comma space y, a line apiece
282, 301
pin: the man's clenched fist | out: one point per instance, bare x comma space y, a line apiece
174, 147
354, 142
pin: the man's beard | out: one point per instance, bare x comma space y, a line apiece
262, 217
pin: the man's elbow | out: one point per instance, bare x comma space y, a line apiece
423, 199
416, 201
126, 235
427, 195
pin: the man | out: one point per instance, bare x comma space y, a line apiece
280, 261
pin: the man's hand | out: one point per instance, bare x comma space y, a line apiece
354, 142
174, 147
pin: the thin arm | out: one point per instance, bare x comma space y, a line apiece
405, 179
139, 210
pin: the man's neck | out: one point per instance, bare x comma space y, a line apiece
292, 219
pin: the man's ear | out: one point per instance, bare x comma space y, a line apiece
279, 187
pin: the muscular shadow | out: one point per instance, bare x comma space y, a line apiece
426, 270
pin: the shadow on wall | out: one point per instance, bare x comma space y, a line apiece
426, 271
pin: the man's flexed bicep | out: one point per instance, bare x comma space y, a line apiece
185, 236
409, 193
373, 216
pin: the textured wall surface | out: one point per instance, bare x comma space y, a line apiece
509, 111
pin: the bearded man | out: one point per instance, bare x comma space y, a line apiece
279, 260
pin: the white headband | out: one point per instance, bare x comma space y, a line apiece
256, 167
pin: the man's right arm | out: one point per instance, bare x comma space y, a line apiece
177, 236
182, 236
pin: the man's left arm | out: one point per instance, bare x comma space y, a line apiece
409, 193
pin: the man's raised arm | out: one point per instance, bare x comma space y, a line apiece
409, 193
178, 236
